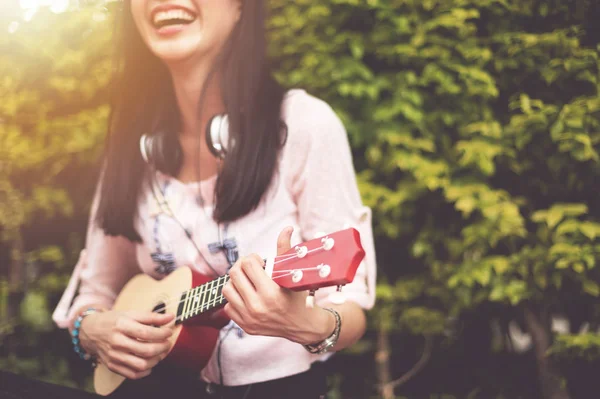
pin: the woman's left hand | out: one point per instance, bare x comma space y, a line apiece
261, 307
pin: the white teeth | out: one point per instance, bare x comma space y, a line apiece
162, 16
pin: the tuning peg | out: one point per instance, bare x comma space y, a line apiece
337, 297
328, 243
301, 251
324, 270
297, 276
310, 299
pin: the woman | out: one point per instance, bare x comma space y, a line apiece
286, 175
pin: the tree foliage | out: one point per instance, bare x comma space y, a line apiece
54, 71
480, 124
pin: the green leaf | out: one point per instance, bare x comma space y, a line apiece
563, 248
591, 287
384, 292
590, 230
558, 212
578, 267
35, 313
501, 264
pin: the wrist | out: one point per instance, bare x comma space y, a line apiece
85, 334
81, 346
321, 324
328, 343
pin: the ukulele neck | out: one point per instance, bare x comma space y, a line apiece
201, 299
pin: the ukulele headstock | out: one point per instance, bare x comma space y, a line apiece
329, 260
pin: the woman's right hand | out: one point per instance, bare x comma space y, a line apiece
128, 343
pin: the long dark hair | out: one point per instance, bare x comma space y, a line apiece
144, 102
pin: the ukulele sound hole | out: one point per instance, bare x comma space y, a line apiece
160, 308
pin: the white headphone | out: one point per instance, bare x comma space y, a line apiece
144, 144
217, 135
153, 147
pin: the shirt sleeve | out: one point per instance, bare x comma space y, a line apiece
323, 184
103, 268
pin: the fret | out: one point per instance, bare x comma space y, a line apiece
203, 297
185, 302
214, 293
197, 302
180, 308
221, 297
220, 291
192, 302
186, 306
209, 297
217, 291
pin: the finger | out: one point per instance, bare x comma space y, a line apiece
233, 314
239, 278
136, 330
144, 350
233, 297
284, 241
136, 363
257, 276
127, 372
152, 318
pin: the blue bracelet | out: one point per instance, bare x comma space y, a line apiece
75, 335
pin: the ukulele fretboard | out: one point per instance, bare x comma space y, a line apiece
201, 299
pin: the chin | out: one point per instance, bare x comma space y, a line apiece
173, 52
179, 50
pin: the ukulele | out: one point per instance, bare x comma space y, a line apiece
196, 300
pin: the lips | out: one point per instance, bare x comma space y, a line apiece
171, 15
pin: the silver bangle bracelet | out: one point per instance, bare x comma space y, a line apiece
329, 342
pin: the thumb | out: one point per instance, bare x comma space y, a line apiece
152, 318
284, 240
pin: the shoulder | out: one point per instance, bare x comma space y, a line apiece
316, 139
310, 122
303, 110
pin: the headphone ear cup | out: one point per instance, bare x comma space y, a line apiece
144, 148
217, 135
162, 152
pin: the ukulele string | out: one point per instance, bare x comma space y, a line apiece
287, 273
219, 298
213, 302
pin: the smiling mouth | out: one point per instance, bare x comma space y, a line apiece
172, 17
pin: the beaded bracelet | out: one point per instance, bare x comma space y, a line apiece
75, 336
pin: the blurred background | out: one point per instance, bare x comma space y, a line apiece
475, 126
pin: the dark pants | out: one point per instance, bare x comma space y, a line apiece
15, 386
169, 384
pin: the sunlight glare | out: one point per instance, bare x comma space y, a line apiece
56, 6
59, 6
29, 4
12, 27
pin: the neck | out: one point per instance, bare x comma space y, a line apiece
201, 299
188, 81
